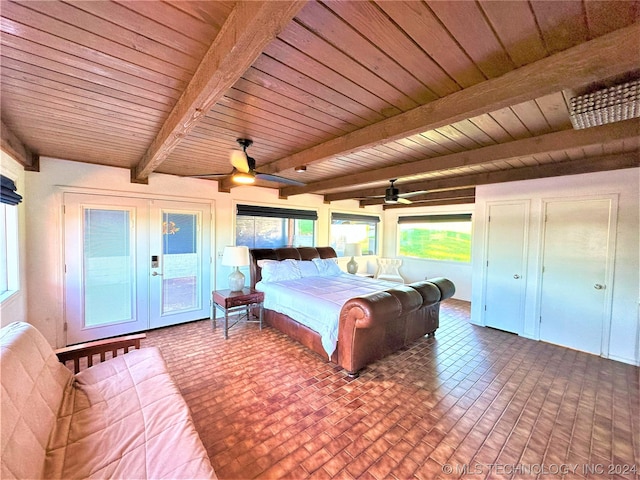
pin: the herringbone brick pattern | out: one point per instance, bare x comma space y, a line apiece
472, 402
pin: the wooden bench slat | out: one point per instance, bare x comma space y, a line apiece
98, 347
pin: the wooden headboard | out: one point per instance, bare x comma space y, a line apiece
299, 253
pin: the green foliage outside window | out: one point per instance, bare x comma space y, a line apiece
449, 241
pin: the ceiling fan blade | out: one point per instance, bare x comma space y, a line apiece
239, 161
209, 175
404, 200
412, 194
276, 178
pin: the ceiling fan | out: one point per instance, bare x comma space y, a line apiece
392, 195
244, 168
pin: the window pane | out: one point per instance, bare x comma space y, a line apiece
108, 267
352, 231
273, 232
304, 233
4, 267
9, 252
180, 262
436, 240
179, 233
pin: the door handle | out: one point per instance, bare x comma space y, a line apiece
598, 286
516, 276
156, 274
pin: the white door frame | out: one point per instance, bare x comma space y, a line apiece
66, 189
609, 267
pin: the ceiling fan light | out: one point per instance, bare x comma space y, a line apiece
243, 178
301, 168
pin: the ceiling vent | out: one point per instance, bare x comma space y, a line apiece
608, 105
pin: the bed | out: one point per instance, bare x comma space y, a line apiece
348, 319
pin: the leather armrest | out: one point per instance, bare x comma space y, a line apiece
364, 311
446, 287
408, 298
429, 292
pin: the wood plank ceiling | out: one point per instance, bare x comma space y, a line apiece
443, 95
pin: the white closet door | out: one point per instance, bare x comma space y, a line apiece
506, 254
576, 258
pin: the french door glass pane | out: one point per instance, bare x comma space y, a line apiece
181, 260
108, 267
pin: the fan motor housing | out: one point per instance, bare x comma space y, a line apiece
391, 195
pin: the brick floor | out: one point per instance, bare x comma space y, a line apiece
472, 402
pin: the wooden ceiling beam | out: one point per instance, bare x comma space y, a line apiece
603, 57
250, 27
551, 142
13, 146
570, 167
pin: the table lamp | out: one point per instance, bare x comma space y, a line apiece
235, 257
352, 250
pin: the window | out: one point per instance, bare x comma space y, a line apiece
269, 227
9, 263
9, 280
436, 237
352, 228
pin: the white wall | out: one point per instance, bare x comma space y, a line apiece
42, 218
44, 189
14, 308
414, 269
624, 340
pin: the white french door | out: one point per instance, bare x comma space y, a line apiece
179, 254
132, 264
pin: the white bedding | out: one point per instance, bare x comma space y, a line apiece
316, 301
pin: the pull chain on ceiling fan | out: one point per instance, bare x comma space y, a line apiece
244, 168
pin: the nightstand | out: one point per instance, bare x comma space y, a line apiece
242, 301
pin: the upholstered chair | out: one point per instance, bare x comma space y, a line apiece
389, 269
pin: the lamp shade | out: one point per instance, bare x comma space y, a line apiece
235, 256
352, 250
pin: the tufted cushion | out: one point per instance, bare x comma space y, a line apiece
388, 269
123, 418
126, 418
33, 388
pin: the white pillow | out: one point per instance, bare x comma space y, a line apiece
280, 271
327, 267
307, 268
262, 263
